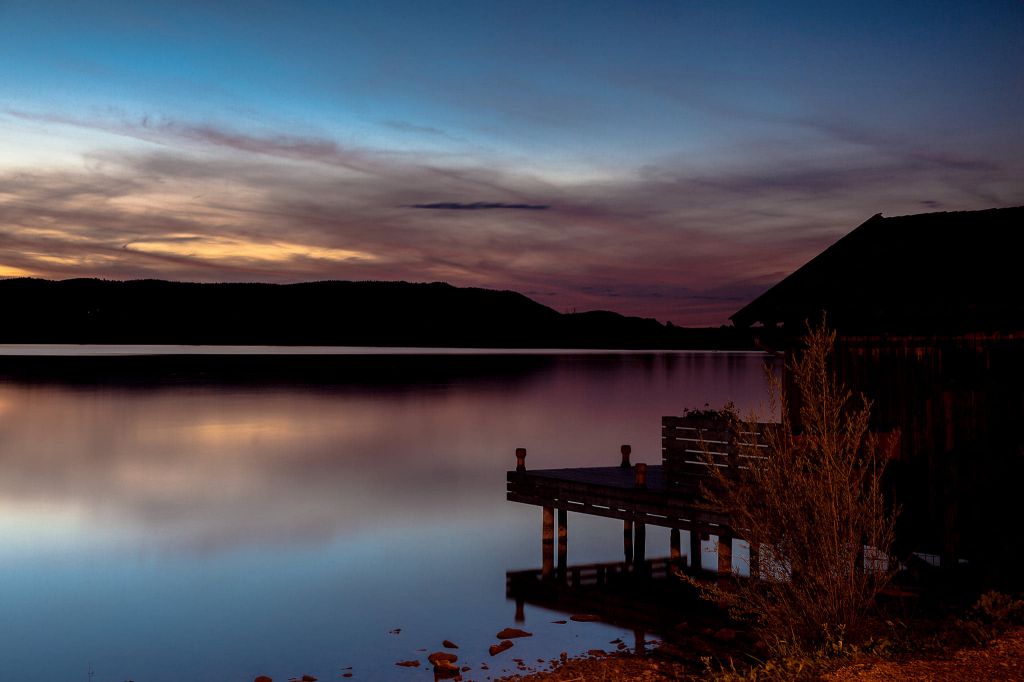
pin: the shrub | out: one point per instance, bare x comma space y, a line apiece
814, 507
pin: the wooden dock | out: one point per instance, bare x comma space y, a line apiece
665, 495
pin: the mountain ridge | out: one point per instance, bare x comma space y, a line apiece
324, 312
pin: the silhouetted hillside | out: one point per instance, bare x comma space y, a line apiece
320, 313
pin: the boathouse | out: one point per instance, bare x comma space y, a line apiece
929, 311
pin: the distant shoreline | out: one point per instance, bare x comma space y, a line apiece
328, 314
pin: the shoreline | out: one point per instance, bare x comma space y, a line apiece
1001, 658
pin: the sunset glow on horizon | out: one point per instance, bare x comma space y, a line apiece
663, 159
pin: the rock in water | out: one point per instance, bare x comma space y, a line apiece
263, 678
444, 665
442, 656
496, 649
512, 633
449, 644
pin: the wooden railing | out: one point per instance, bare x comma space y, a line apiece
692, 445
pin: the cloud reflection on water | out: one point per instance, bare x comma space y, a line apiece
211, 467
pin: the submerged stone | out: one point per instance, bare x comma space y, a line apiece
496, 649
512, 633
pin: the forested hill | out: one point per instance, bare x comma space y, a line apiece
320, 313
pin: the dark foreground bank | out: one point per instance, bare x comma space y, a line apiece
999, 659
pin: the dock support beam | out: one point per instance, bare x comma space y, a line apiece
725, 554
627, 541
548, 542
563, 540
675, 547
695, 548
639, 546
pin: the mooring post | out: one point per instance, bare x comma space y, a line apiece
520, 616
625, 450
675, 548
695, 548
563, 539
520, 459
640, 475
548, 542
627, 541
724, 554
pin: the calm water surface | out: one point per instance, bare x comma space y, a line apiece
202, 529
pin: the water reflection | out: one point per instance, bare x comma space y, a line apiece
267, 511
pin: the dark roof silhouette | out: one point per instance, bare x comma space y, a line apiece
920, 274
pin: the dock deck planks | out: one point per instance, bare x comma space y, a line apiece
612, 492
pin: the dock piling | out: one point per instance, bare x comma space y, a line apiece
627, 541
548, 541
695, 533
639, 546
520, 459
724, 554
625, 450
563, 540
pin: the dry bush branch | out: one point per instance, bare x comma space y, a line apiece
813, 508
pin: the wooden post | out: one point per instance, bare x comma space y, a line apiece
639, 640
520, 459
724, 554
675, 549
639, 546
695, 549
520, 616
627, 541
548, 542
640, 475
625, 450
563, 539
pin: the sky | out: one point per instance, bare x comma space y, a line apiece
664, 159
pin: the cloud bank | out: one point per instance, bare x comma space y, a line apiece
679, 239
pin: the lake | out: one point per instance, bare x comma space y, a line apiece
209, 522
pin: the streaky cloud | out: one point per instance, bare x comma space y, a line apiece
481, 206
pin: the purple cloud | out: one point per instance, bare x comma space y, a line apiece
675, 240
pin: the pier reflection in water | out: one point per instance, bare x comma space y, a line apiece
644, 598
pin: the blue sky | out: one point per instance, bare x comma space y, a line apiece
670, 159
